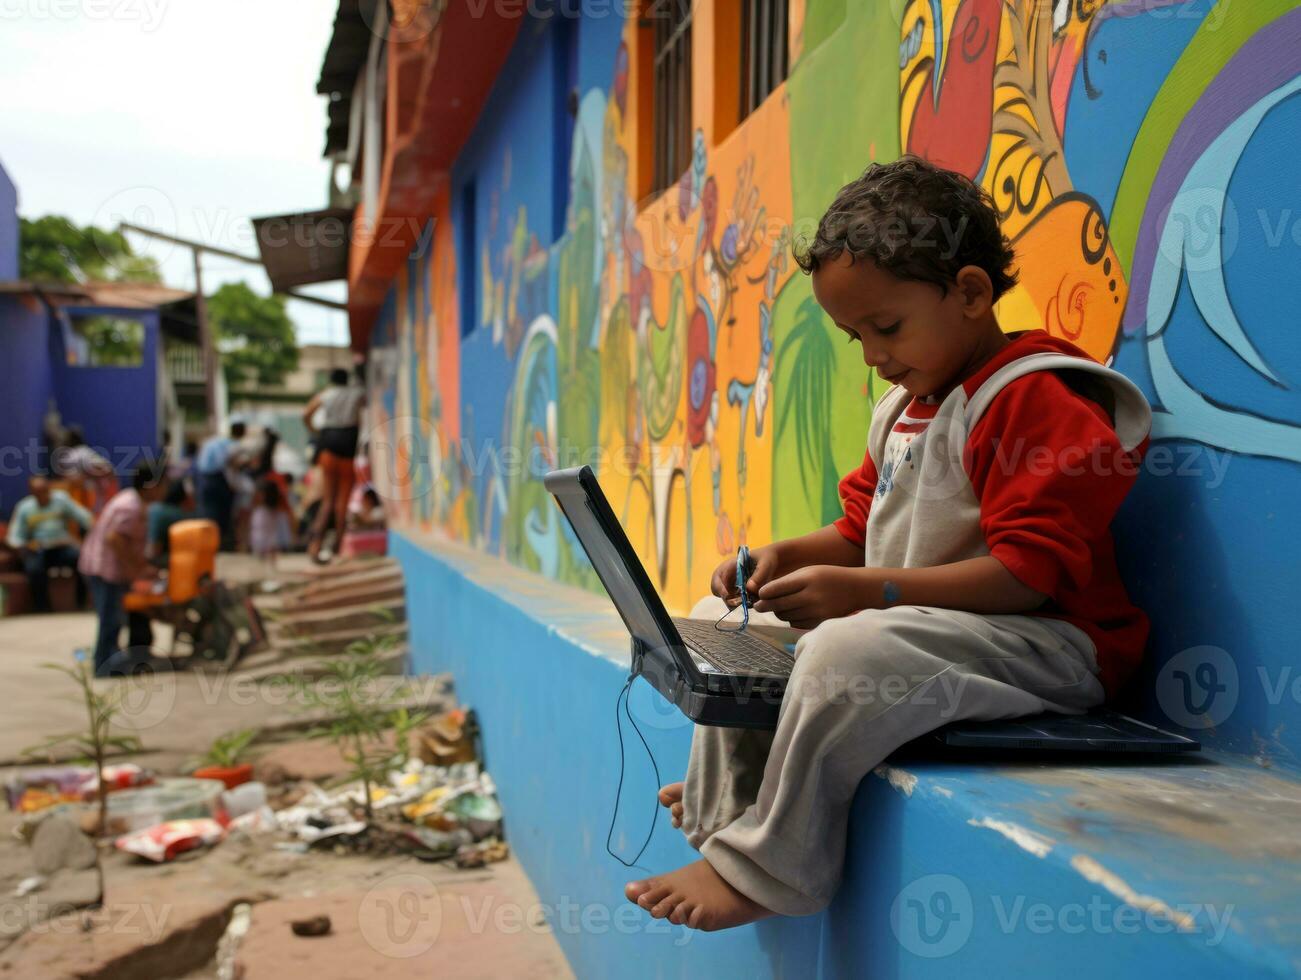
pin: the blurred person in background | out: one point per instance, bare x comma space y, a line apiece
39, 531
337, 428
113, 556
90, 477
217, 462
369, 515
269, 526
177, 505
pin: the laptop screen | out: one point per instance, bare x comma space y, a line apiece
612, 556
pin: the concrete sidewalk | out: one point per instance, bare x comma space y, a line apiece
392, 914
175, 715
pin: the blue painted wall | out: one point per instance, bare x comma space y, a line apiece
116, 407
26, 384
8, 227
932, 888
1208, 538
510, 161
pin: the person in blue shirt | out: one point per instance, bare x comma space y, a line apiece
217, 456
39, 531
175, 506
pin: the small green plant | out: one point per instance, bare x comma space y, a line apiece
92, 744
361, 714
228, 750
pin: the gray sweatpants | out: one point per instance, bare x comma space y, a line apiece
769, 810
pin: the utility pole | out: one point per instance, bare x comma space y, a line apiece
208, 349
329, 304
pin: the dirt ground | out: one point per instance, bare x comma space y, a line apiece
392, 913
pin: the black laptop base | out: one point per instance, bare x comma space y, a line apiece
719, 699
746, 702
1100, 731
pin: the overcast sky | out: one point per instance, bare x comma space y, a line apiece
191, 115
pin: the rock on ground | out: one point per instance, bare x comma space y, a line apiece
59, 843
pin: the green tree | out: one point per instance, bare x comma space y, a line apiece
254, 335
54, 249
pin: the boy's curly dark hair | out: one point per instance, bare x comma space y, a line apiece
916, 221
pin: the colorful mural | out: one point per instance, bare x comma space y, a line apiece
670, 342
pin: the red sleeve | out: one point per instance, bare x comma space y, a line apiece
856, 492
1050, 475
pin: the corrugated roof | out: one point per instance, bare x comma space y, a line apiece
344, 57
127, 295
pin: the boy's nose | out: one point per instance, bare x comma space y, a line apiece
872, 358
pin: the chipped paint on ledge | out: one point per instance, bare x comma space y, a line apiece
905, 782
571, 638
1027, 840
1096, 873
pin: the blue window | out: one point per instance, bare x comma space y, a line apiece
468, 259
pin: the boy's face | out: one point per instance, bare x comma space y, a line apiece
912, 333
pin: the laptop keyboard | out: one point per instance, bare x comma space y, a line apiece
736, 652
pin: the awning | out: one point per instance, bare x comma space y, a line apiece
304, 248
177, 317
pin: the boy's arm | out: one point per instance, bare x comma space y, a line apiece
1046, 493
1050, 474
809, 595
825, 546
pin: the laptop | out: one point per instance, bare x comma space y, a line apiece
737, 679
734, 679
1101, 730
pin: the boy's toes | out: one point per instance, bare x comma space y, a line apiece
682, 914
698, 896
634, 890
666, 906
676, 811
671, 795
649, 896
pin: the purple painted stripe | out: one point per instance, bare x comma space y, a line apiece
1132, 8
1268, 59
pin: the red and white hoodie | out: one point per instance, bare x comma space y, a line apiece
1027, 460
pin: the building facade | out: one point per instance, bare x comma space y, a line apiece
576, 223
560, 300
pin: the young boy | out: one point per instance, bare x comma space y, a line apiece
972, 575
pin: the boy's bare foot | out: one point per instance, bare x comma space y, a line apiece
671, 797
696, 896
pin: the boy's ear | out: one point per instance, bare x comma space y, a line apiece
976, 290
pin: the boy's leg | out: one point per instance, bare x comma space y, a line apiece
727, 764
862, 686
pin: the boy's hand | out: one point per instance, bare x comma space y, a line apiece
814, 593
763, 566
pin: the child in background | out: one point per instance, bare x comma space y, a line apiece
370, 515
269, 531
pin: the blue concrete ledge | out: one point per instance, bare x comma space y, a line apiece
1190, 868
